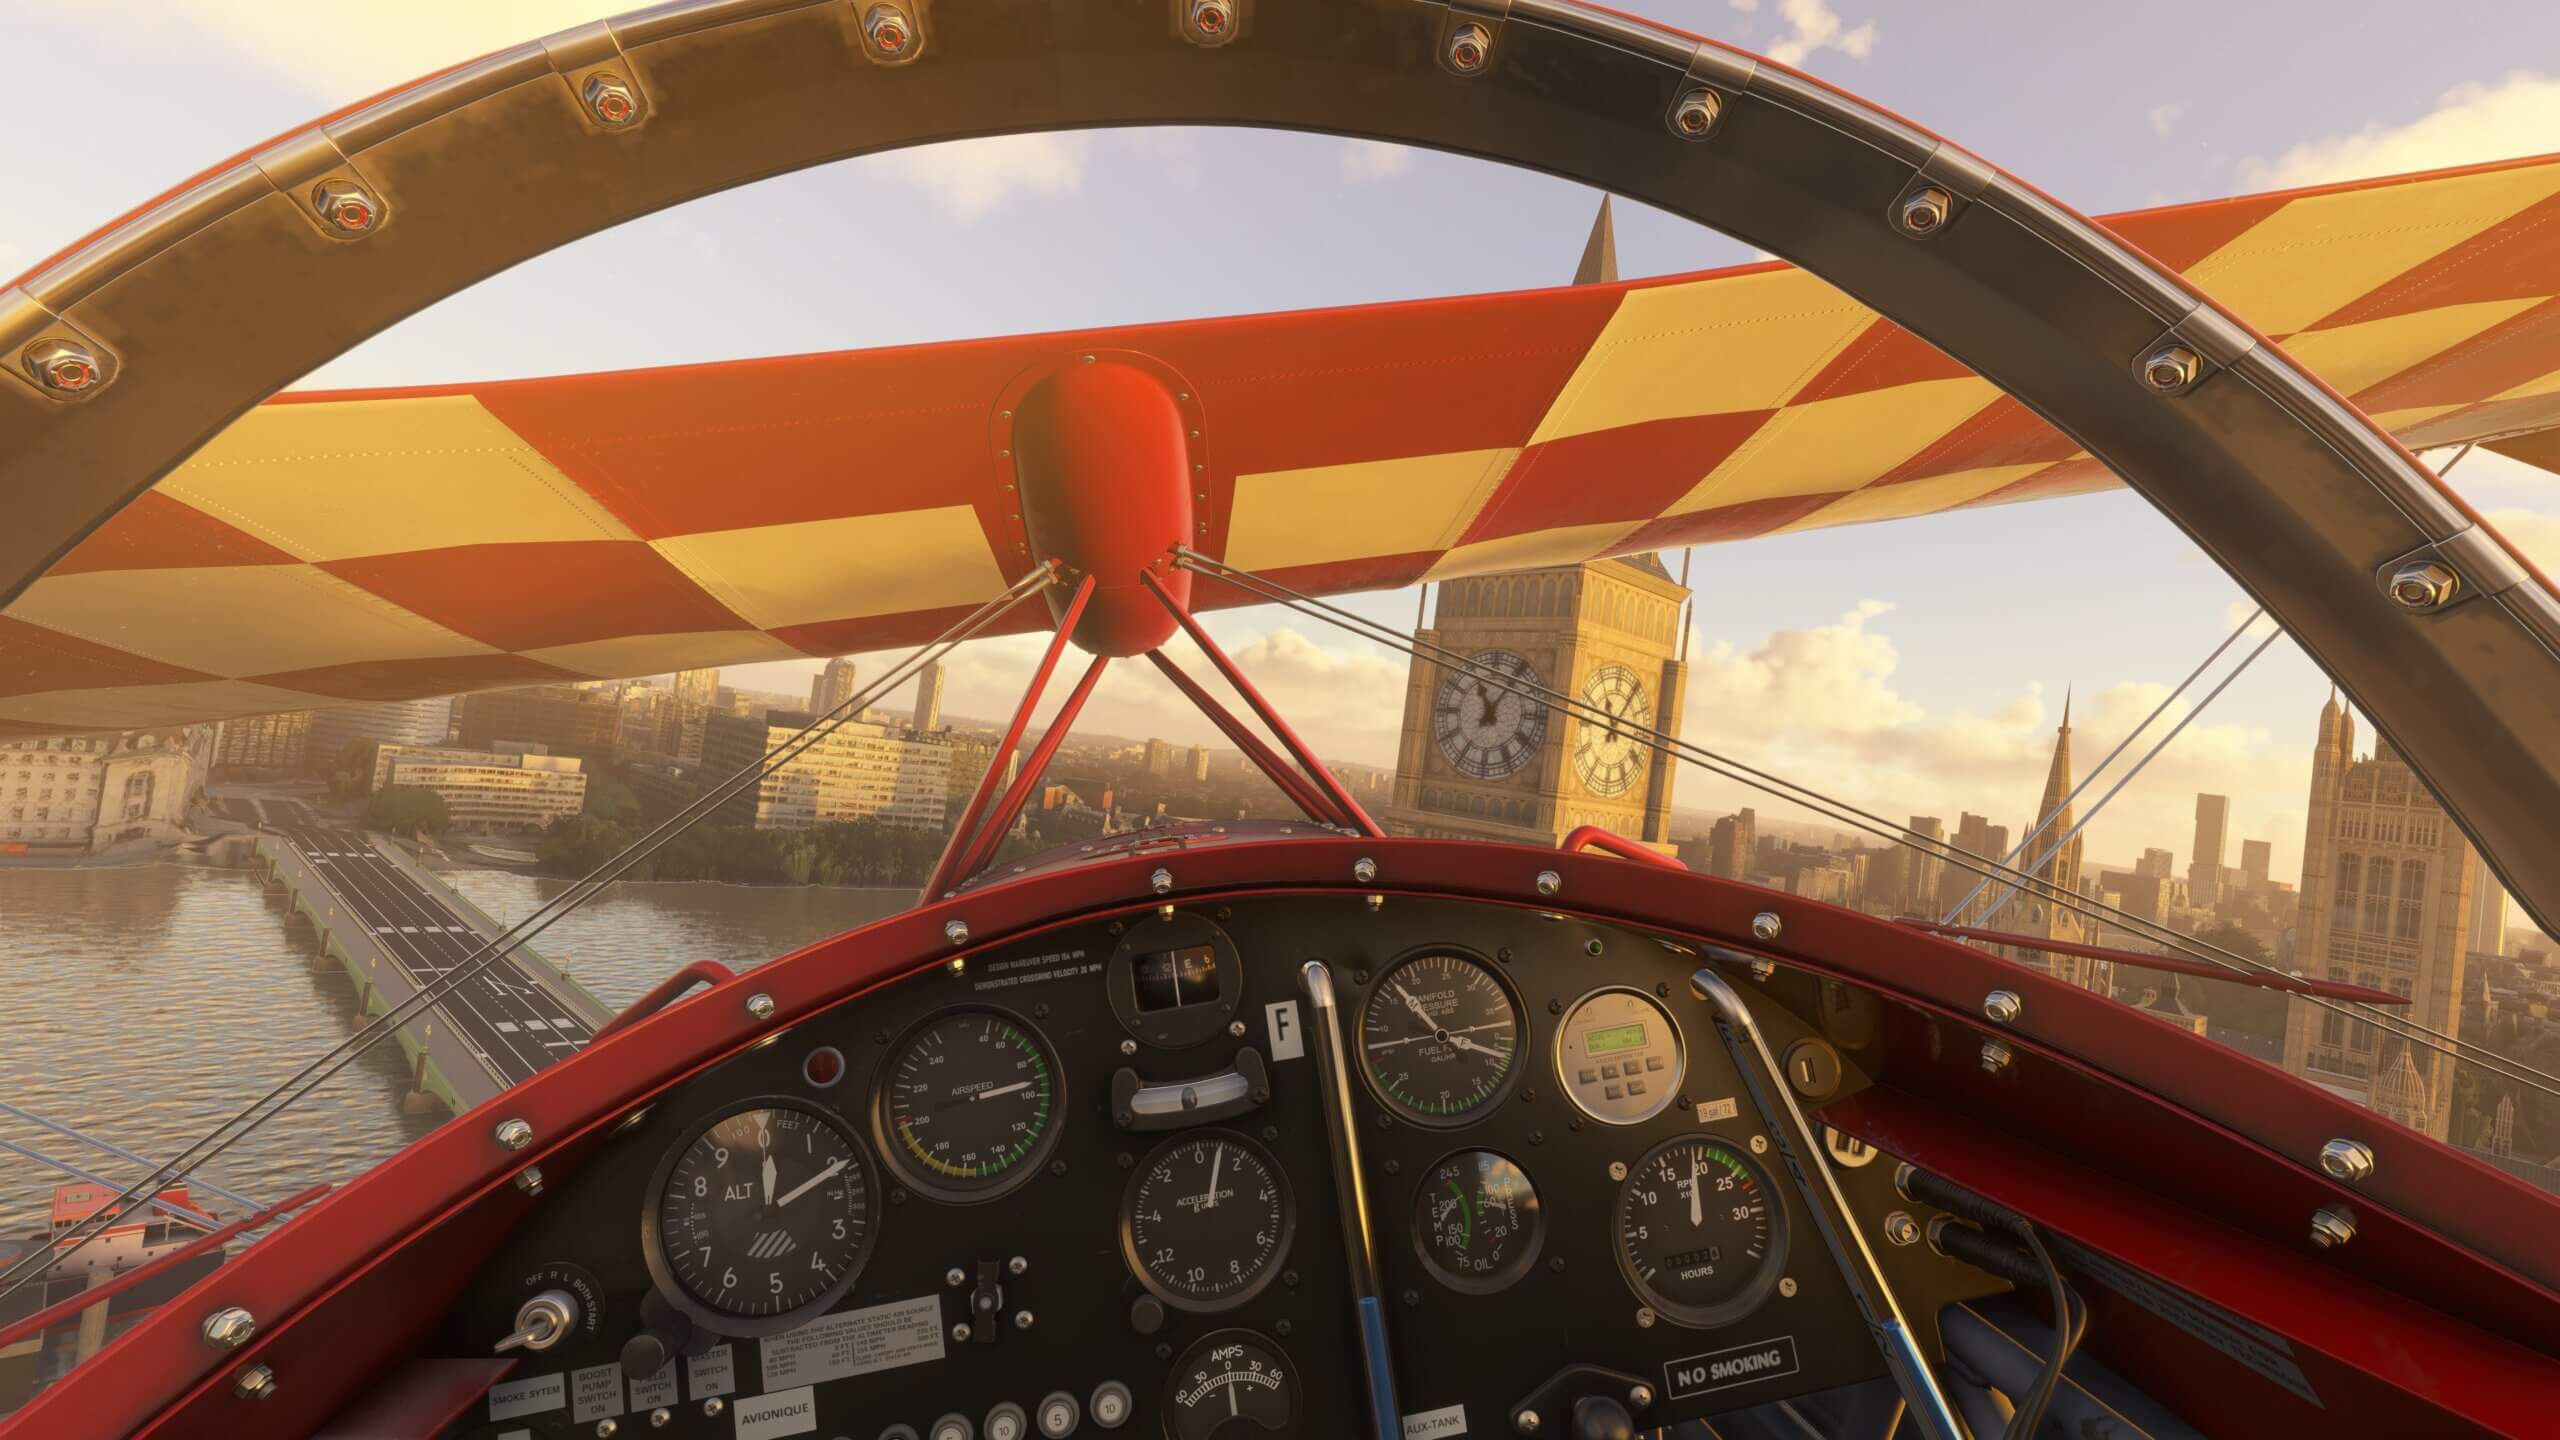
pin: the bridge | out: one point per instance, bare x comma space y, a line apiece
395, 928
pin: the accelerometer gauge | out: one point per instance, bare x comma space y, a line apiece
1619, 1056
761, 1218
1701, 1236
1207, 1220
1477, 1222
968, 1105
1233, 1385
1438, 1035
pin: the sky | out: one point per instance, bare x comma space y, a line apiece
1912, 668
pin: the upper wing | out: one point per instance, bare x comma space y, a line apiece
347, 546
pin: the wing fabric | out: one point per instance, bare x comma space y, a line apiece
335, 547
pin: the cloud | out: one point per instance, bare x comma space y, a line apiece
1371, 162
1831, 680
1744, 7
1816, 26
972, 178
2519, 115
2164, 118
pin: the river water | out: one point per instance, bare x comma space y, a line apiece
145, 1004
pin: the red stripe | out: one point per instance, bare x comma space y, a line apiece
412, 679
2517, 258
34, 660
1632, 472
528, 595
157, 532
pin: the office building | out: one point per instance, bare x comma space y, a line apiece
2155, 864
1196, 764
831, 687
928, 716
1159, 759
701, 687
80, 794
1730, 844
2255, 857
856, 771
2204, 863
399, 722
512, 788
559, 719
1977, 836
263, 744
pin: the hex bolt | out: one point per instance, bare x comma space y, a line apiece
514, 1134
255, 1383
529, 1180
1923, 210
229, 1328
956, 931
2348, 1160
760, 1005
1762, 970
1767, 926
1549, 882
1996, 1056
63, 367
610, 100
887, 28
2424, 585
1161, 881
2003, 1006
1364, 869
1469, 47
2171, 367
2332, 1226
345, 205
1900, 1228
1213, 19
1696, 114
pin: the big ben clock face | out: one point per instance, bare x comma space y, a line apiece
1485, 730
1609, 756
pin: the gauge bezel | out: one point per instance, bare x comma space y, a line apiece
933, 1187
1512, 1271
653, 1252
1231, 1335
1521, 1046
1678, 1074
1279, 1248
1189, 1025
1772, 1266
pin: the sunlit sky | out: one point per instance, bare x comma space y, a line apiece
1916, 667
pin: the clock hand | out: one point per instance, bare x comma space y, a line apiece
804, 1187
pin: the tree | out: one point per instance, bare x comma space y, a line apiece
2246, 1008
408, 810
611, 800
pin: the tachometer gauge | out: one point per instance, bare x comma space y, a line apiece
1438, 1034
1207, 1219
1477, 1222
761, 1219
968, 1105
1232, 1385
1701, 1233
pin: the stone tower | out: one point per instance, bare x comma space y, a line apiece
2032, 910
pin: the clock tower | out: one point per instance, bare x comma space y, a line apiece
1478, 762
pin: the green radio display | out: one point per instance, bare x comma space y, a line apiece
1613, 1039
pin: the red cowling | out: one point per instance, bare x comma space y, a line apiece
1102, 449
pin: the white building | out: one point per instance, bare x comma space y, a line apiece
859, 771
517, 788
86, 793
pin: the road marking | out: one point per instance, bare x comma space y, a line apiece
506, 1027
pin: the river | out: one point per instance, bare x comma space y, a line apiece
147, 1003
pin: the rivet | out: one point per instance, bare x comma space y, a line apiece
1128, 1047
2424, 585
1787, 1287
610, 100
607, 1428
63, 367
1617, 1169
1469, 45
1021, 1319
1639, 1396
1549, 882
255, 1383
887, 29
229, 1328
1923, 210
1644, 1317
345, 205
956, 931
1018, 1265
2332, 1226
712, 1407
514, 1134
1526, 1422
2348, 1160
1759, 1144
1696, 114
1996, 1056
2003, 1006
2172, 367
1767, 926
1161, 881
661, 1417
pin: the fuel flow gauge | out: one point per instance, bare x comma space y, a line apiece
1233, 1385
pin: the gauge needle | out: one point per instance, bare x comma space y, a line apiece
1416, 1007
767, 1137
812, 1183
1217, 1160
1697, 1209
1001, 1090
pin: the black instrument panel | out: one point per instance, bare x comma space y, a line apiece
1083, 1187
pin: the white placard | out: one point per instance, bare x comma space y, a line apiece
1438, 1424
1288, 1040
1710, 1110
766, 1417
595, 1392
712, 1373
528, 1397
657, 1390
857, 1342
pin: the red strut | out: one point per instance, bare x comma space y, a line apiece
963, 833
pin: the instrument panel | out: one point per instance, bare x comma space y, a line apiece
1081, 1184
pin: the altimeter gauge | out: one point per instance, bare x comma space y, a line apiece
761, 1218
1438, 1036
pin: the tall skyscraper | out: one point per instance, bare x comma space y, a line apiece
1923, 872
1196, 765
2204, 863
1975, 835
2255, 856
929, 696
2488, 915
2033, 910
563, 719
399, 722
1730, 843
1159, 758
2155, 864
831, 686
2386, 902
699, 687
